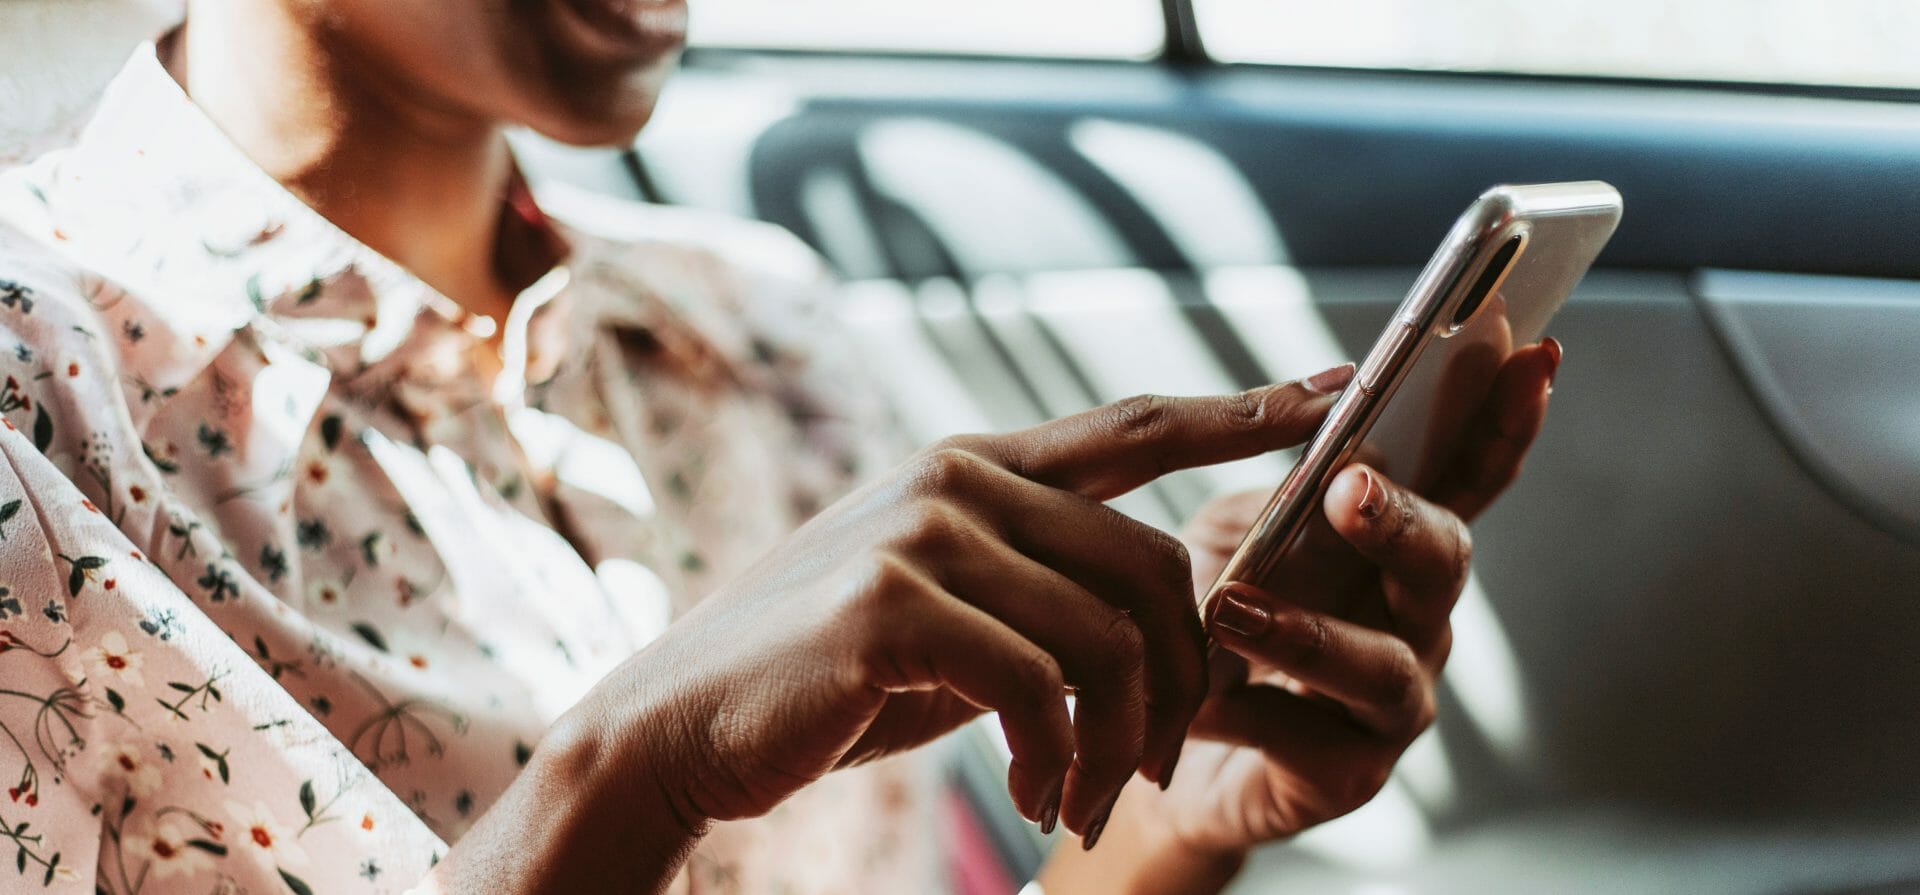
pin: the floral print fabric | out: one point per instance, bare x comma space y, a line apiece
296, 565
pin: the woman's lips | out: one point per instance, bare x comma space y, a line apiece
630, 28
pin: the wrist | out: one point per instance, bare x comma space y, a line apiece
1138, 855
589, 813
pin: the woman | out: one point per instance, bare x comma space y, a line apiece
434, 461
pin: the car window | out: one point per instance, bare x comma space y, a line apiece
1068, 28
1828, 42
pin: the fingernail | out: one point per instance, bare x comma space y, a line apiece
1166, 770
1099, 826
1050, 812
1557, 352
1093, 834
1373, 501
1240, 615
1330, 381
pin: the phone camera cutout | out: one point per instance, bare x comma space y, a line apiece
1490, 278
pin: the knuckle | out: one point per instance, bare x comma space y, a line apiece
1462, 559
1425, 712
1125, 644
1113, 760
886, 582
871, 610
1359, 786
1247, 410
1442, 646
1042, 675
966, 443
1402, 685
943, 470
1402, 517
935, 528
1492, 476
1173, 563
1141, 416
1312, 642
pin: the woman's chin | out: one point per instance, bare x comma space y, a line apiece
635, 33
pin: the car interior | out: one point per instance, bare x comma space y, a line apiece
1685, 660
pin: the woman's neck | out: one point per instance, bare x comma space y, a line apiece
420, 184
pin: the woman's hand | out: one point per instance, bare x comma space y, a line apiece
985, 575
1330, 676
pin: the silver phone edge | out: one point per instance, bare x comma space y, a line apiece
1475, 235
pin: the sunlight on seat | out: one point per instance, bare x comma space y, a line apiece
703, 135
992, 206
843, 228
1378, 888
1387, 833
1381, 890
1272, 309
948, 317
1203, 201
1126, 330
923, 389
1425, 771
1484, 675
1003, 305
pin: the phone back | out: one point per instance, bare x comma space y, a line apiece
1526, 248
1502, 272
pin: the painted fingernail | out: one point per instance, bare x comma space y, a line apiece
1241, 615
1166, 770
1557, 352
1092, 837
1373, 501
1331, 381
1050, 812
1093, 834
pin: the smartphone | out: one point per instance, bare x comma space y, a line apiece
1502, 272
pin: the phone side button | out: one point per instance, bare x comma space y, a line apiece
1382, 358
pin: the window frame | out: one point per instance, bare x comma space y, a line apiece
1182, 45
1183, 50
1185, 47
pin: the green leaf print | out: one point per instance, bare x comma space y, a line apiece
371, 635
219, 760
159, 462
7, 511
298, 885
80, 574
330, 431
42, 430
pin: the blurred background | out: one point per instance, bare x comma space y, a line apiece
1859, 42
1688, 656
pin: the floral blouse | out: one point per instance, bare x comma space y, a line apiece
294, 573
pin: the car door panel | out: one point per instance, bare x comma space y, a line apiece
1830, 360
